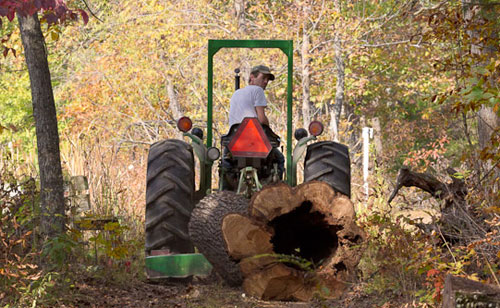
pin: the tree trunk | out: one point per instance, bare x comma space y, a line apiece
306, 68
340, 85
484, 45
377, 136
239, 9
488, 121
174, 105
44, 112
286, 242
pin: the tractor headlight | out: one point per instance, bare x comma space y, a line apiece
213, 153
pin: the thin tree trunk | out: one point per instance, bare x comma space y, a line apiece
487, 119
306, 73
44, 112
340, 85
173, 104
377, 136
246, 59
239, 9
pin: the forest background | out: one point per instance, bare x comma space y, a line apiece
424, 74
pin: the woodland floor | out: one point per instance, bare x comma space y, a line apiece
204, 293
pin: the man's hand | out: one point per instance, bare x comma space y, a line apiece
261, 115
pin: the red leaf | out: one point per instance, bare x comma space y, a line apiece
85, 16
5, 51
13, 51
11, 15
432, 272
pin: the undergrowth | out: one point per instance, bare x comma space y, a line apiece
45, 273
403, 261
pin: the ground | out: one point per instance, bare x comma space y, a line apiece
200, 293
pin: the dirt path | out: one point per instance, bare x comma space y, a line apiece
93, 293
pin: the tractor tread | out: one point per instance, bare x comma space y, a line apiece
160, 243
158, 219
153, 173
169, 196
176, 231
329, 162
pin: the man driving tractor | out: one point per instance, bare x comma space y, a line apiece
251, 101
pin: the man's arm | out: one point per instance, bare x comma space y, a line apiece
261, 115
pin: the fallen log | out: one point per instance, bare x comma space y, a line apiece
462, 292
290, 243
450, 193
458, 223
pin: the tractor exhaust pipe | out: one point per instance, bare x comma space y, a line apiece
237, 79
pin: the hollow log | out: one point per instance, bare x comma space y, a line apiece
289, 243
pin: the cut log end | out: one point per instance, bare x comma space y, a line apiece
244, 238
315, 227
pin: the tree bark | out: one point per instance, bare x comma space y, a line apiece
173, 104
206, 233
306, 69
44, 112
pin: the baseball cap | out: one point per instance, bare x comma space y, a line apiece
264, 70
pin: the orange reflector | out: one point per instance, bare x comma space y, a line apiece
250, 140
184, 124
315, 128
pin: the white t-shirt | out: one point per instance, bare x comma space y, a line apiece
243, 103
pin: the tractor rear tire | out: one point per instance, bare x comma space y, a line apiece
329, 162
169, 196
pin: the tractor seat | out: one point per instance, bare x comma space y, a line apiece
273, 138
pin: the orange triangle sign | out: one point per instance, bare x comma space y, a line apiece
250, 140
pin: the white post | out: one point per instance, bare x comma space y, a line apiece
367, 134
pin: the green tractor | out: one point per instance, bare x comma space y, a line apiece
245, 167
